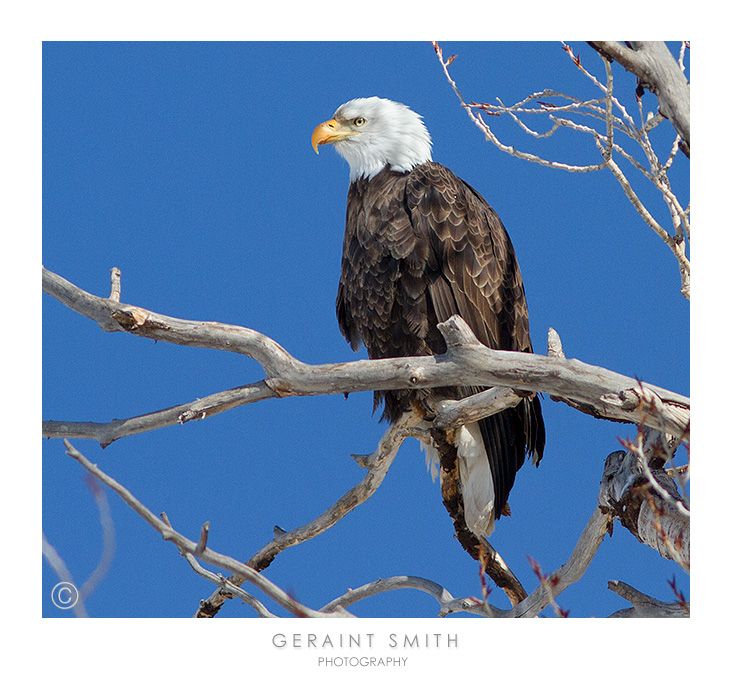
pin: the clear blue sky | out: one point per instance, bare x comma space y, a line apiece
189, 167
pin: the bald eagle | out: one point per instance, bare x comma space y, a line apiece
420, 246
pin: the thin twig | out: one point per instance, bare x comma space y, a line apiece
647, 53
490, 136
108, 539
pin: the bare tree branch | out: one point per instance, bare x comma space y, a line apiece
186, 546
644, 606
592, 389
490, 136
230, 589
569, 573
452, 414
550, 586
656, 68
56, 562
108, 540
377, 463
113, 316
106, 433
673, 90
388, 584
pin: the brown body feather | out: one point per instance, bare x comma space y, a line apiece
420, 247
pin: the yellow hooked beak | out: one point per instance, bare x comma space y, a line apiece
328, 132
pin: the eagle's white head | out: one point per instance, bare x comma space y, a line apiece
371, 133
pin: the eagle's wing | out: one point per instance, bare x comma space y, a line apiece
472, 272
473, 268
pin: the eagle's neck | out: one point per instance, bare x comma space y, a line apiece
367, 169
400, 154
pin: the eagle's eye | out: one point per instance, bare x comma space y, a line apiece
359, 121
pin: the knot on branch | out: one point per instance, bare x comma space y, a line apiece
631, 399
131, 318
675, 417
191, 414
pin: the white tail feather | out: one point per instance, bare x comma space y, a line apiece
476, 480
431, 458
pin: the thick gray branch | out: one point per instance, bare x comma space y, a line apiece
592, 389
656, 68
113, 316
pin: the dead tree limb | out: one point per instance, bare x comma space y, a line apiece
644, 606
602, 118
377, 463
657, 70
569, 573
190, 547
594, 390
386, 585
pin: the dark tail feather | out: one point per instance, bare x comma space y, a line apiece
509, 437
